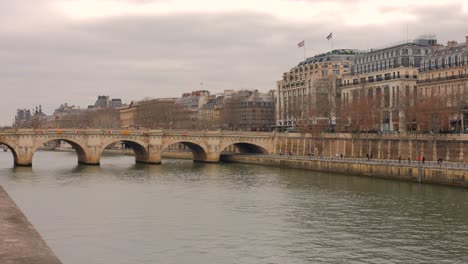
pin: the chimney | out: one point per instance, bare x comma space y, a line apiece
451, 43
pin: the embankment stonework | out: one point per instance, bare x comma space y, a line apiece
381, 146
423, 174
20, 243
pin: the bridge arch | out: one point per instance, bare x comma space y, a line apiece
79, 147
139, 147
11, 148
245, 147
199, 150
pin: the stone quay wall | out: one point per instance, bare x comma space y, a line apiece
403, 171
19, 241
381, 146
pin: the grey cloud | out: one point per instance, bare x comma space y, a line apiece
159, 56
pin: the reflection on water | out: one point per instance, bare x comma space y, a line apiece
185, 212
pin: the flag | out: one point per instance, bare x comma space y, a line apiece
300, 44
330, 36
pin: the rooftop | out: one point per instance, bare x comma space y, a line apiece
334, 55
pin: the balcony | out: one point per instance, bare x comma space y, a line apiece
442, 79
388, 78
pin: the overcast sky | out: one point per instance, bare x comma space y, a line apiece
57, 51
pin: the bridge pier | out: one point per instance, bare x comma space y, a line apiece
89, 155
23, 156
209, 157
153, 156
149, 155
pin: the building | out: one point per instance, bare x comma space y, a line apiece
103, 101
26, 118
248, 110
193, 102
210, 114
127, 116
161, 113
302, 90
444, 75
67, 116
372, 93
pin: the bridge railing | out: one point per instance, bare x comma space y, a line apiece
69, 131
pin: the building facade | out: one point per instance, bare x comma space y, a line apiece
376, 86
161, 113
444, 74
302, 90
248, 110
210, 114
26, 118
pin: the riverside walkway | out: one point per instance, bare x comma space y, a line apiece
20, 243
403, 162
447, 173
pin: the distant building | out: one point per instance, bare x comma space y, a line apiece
444, 73
385, 76
104, 101
193, 102
26, 118
115, 103
248, 110
302, 90
210, 114
161, 113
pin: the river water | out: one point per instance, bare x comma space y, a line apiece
184, 212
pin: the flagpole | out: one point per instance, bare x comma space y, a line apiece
304, 51
330, 36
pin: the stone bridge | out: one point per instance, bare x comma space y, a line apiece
148, 145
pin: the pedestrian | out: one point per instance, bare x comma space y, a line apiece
341, 155
399, 159
441, 159
423, 159
409, 160
367, 156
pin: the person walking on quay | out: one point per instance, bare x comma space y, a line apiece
367, 156
409, 160
423, 159
439, 161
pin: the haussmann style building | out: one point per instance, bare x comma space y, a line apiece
306, 94
444, 73
386, 75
